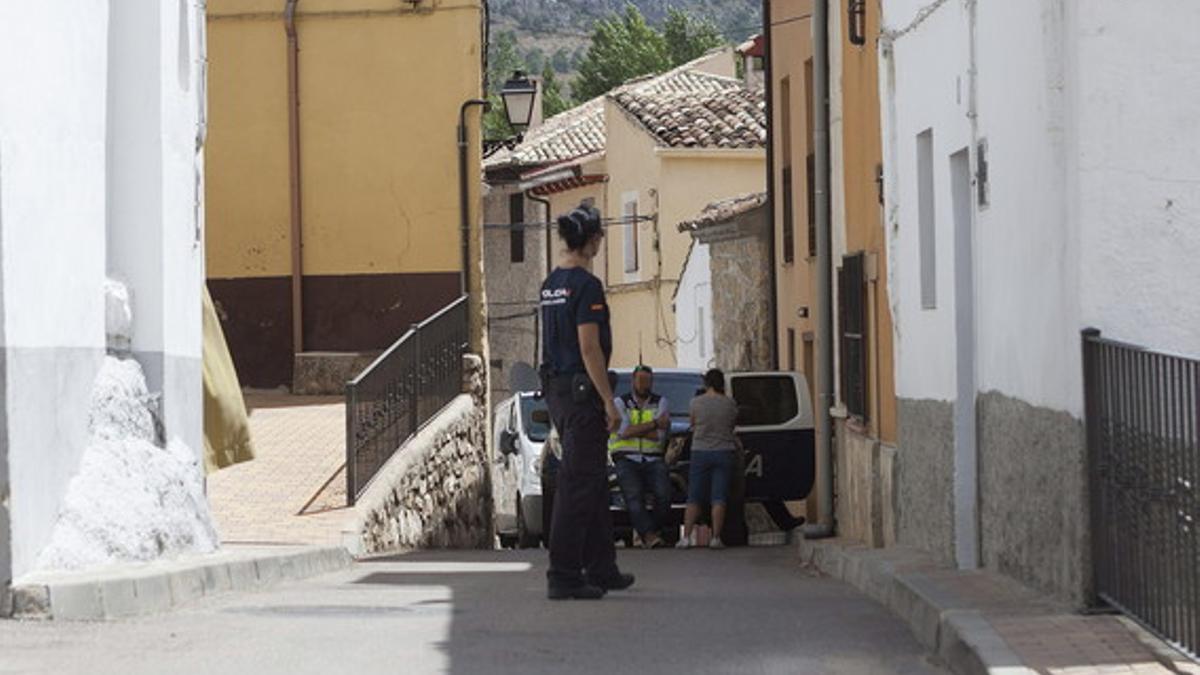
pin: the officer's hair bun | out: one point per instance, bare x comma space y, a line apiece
578, 226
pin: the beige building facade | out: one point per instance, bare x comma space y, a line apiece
670, 145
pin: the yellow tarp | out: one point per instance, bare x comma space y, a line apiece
226, 425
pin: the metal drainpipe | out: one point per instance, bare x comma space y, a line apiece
293, 68
825, 525
464, 196
537, 314
549, 231
768, 93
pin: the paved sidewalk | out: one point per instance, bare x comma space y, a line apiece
982, 622
133, 589
300, 444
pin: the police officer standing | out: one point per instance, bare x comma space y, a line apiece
577, 343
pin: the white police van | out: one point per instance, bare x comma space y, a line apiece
516, 470
775, 426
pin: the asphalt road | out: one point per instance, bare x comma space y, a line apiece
732, 611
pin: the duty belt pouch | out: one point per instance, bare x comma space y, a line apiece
581, 388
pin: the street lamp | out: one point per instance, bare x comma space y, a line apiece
519, 94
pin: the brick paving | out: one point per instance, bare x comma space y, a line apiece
1037, 634
299, 443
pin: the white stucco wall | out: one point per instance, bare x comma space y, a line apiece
1026, 241
1138, 169
97, 172
920, 90
694, 348
52, 178
1094, 214
154, 234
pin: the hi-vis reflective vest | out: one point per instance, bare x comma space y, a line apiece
637, 415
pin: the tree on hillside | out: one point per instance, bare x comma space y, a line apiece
503, 59
688, 38
624, 46
553, 101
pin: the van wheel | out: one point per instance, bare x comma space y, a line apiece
507, 541
524, 538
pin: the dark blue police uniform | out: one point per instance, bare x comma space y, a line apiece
581, 537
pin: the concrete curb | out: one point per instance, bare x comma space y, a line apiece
960, 636
134, 590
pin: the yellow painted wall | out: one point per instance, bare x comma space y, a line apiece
862, 153
246, 181
791, 48
380, 89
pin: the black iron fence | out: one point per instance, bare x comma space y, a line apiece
1144, 456
403, 389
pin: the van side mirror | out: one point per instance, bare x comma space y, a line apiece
508, 443
541, 416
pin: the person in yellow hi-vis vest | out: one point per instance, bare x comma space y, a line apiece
637, 448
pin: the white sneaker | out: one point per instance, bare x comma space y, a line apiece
716, 542
684, 542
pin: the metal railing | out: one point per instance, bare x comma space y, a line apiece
402, 390
1141, 410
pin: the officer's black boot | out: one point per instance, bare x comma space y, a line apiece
584, 591
614, 583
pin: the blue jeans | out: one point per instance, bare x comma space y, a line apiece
635, 479
709, 476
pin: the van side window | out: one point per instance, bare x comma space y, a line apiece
765, 400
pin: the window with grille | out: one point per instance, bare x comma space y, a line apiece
810, 160
516, 230
812, 206
852, 313
789, 197
789, 217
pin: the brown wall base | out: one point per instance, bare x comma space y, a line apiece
342, 313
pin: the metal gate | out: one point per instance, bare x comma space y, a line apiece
1142, 414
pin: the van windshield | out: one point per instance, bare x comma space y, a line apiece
534, 430
678, 388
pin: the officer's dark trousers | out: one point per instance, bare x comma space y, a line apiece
581, 536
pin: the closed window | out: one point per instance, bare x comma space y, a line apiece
926, 222
788, 197
852, 317
630, 215
516, 230
789, 217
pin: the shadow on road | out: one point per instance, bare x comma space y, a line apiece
748, 610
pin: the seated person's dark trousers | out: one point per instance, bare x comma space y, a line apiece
581, 534
638, 478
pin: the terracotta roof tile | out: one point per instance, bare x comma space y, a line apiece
714, 111
724, 210
569, 134
723, 114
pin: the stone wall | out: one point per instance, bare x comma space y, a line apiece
1033, 496
435, 492
925, 477
865, 487
741, 287
512, 287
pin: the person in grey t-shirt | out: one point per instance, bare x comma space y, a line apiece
714, 416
